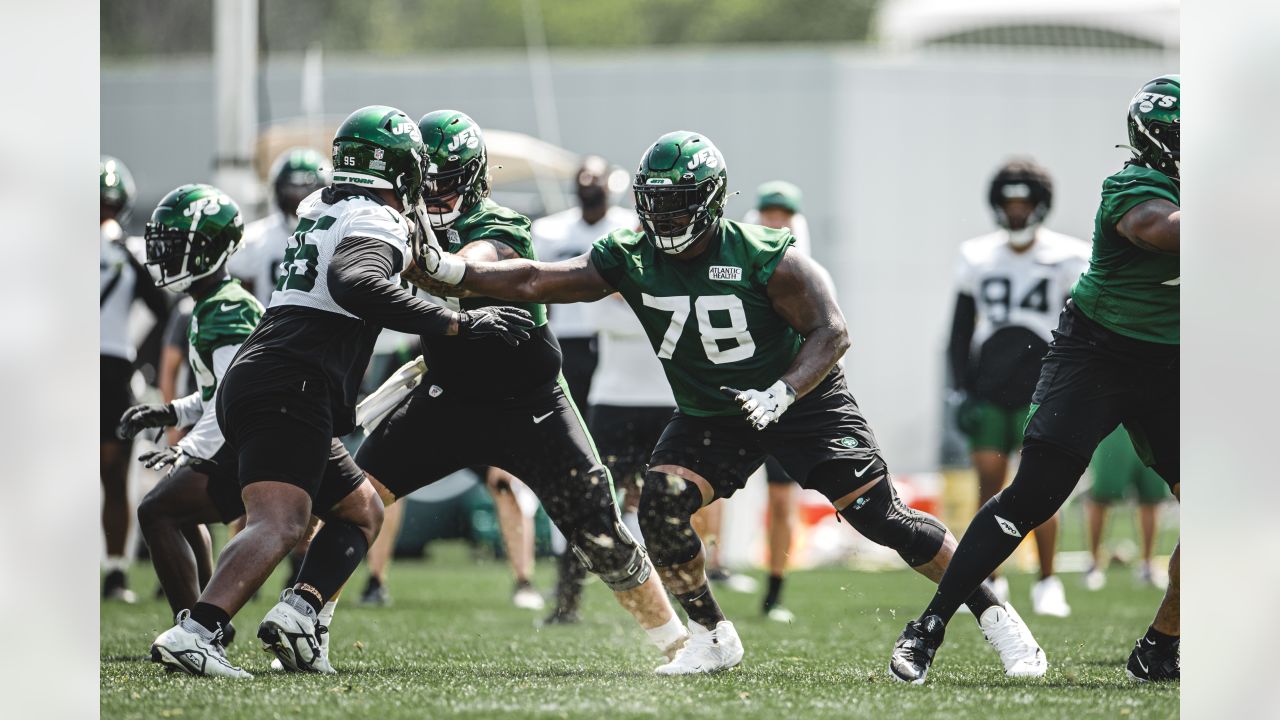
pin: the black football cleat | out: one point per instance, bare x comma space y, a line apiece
913, 653
1153, 662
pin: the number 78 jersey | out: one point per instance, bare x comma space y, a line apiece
1026, 289
709, 318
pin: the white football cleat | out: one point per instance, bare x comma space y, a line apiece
527, 597
291, 631
1048, 597
706, 651
777, 613
1095, 579
323, 632
190, 648
1019, 651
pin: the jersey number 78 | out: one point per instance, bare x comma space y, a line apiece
679, 307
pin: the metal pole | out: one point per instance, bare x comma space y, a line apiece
235, 56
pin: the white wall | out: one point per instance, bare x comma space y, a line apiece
893, 153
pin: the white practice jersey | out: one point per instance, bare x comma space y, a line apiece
258, 260
320, 228
204, 439
1019, 289
628, 373
564, 235
118, 289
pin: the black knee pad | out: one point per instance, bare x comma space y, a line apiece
666, 504
880, 515
607, 549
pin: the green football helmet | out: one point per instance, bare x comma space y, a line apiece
115, 186
1154, 126
380, 147
680, 190
295, 174
192, 232
457, 174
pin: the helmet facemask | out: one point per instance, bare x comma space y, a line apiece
180, 257
1163, 146
676, 216
446, 195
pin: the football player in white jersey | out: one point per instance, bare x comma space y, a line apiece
1010, 286
123, 282
295, 174
291, 390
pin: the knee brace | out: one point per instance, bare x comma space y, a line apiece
880, 515
608, 550
666, 504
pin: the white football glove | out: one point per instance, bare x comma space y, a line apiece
763, 407
430, 258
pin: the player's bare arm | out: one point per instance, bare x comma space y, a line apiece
1153, 225
572, 280
800, 296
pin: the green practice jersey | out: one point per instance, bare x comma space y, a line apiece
223, 319
1128, 290
709, 318
487, 220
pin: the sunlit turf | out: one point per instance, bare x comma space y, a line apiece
452, 645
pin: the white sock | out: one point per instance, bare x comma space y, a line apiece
116, 563
325, 616
667, 633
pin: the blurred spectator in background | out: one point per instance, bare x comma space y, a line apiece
123, 280
1011, 285
560, 236
1117, 469
297, 173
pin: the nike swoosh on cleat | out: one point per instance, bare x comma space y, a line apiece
1142, 665
539, 418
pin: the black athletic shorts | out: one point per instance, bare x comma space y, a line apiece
774, 473
578, 365
285, 434
116, 395
539, 437
821, 426
626, 435
341, 478
1093, 380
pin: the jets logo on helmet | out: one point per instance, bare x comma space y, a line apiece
192, 232
1155, 127
680, 190
380, 147
457, 175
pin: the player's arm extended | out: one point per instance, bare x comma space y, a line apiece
1153, 225
485, 250
572, 280
800, 296
963, 322
359, 279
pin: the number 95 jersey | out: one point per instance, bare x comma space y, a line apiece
1019, 289
708, 318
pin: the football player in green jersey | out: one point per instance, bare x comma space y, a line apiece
474, 392
1113, 361
726, 305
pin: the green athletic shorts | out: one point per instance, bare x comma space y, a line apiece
1117, 468
991, 427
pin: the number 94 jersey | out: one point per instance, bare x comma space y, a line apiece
709, 318
1019, 290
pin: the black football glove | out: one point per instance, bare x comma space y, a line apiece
140, 417
164, 457
509, 323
